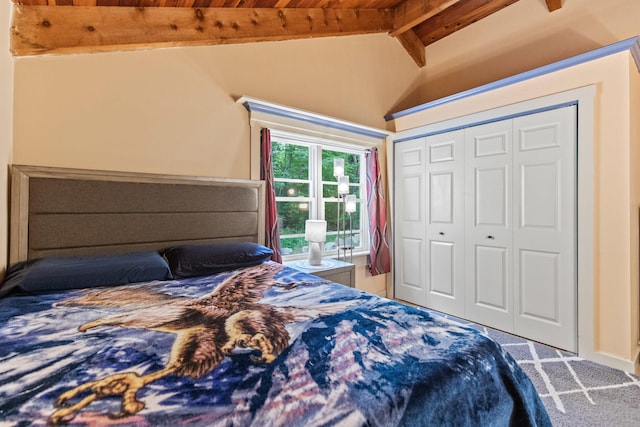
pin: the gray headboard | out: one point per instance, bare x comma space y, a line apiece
63, 212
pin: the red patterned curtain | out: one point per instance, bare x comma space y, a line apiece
272, 234
378, 232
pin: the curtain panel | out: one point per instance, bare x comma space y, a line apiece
272, 233
379, 252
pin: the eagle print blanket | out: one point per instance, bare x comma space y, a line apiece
262, 346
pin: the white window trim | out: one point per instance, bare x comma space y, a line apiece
263, 114
333, 131
315, 198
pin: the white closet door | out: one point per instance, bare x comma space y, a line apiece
544, 230
489, 294
410, 220
445, 227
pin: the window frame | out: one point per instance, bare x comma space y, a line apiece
316, 200
264, 114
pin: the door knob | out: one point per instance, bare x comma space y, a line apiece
490, 237
441, 233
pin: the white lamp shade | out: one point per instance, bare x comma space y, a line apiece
338, 167
350, 203
343, 184
315, 230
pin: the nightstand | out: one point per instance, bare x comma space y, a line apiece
331, 269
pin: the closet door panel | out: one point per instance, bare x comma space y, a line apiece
539, 285
410, 283
411, 265
412, 209
540, 195
442, 275
544, 237
491, 278
489, 295
490, 198
441, 197
445, 223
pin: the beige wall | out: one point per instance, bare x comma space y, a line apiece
174, 111
521, 37
634, 205
6, 126
616, 193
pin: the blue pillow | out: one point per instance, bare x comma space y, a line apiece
47, 274
203, 260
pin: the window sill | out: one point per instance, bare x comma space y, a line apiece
359, 258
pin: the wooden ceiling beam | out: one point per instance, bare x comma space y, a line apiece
457, 17
553, 5
53, 29
410, 13
414, 47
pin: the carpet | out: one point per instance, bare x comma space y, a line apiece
575, 391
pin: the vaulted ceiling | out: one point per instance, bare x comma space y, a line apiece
68, 26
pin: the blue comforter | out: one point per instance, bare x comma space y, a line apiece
263, 346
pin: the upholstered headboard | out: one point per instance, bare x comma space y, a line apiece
60, 212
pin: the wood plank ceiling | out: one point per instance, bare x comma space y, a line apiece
72, 26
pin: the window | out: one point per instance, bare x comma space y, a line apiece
305, 145
306, 189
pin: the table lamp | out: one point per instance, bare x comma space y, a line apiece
315, 232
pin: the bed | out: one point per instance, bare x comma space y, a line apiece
135, 299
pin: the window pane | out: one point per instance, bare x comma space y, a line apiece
291, 217
355, 190
351, 165
294, 181
293, 245
291, 189
355, 217
330, 215
350, 233
330, 190
327, 164
290, 161
337, 237
354, 225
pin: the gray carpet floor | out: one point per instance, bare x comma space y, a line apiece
575, 392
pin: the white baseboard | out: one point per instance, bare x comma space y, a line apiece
616, 362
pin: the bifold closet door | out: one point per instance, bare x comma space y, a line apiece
445, 222
485, 224
544, 232
521, 226
489, 271
410, 221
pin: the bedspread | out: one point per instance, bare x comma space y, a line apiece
262, 346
